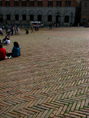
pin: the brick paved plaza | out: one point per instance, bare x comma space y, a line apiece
51, 77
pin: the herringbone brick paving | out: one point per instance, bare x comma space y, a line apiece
51, 77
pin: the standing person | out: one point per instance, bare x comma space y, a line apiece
27, 31
12, 30
0, 40
15, 29
8, 32
32, 28
18, 30
1, 31
6, 28
2, 52
15, 51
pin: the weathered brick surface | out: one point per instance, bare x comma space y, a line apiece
50, 79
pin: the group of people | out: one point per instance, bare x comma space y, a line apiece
16, 48
12, 30
14, 53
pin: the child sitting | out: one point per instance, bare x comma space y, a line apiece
6, 40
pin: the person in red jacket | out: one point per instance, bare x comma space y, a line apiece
2, 52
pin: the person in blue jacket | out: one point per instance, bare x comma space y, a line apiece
15, 51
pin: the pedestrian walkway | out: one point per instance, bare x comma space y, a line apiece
51, 77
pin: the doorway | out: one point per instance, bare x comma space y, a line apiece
1, 18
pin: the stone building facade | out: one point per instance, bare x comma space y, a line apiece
85, 12
23, 11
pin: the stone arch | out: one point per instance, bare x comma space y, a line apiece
23, 12
39, 12
57, 13
16, 12
31, 12
66, 13
49, 12
8, 12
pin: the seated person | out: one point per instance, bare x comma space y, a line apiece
15, 51
2, 52
6, 40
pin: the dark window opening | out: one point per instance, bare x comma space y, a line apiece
58, 3
39, 3
49, 18
1, 18
68, 3
66, 20
85, 4
39, 18
50, 3
24, 17
7, 3
0, 3
31, 18
8, 17
23, 3
31, 3
16, 17
16, 3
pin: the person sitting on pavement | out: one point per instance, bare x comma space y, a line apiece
15, 51
6, 40
2, 52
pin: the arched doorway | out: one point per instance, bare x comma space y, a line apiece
31, 17
1, 18
49, 18
58, 18
39, 18
16, 17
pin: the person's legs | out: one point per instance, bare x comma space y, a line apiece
9, 54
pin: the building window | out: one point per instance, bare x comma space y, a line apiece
16, 3
23, 3
66, 20
1, 18
0, 3
50, 3
7, 3
85, 4
39, 18
84, 21
16, 17
39, 3
49, 18
84, 13
27, 0
58, 3
68, 3
31, 3
31, 18
8, 17
24, 17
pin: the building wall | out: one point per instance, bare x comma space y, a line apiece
85, 12
44, 11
